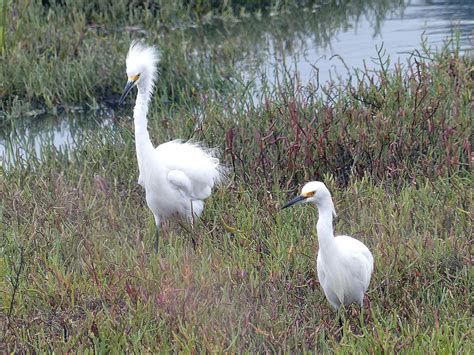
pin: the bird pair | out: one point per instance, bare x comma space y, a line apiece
178, 176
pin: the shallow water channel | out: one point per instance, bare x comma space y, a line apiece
310, 43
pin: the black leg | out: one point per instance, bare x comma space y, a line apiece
361, 317
157, 239
192, 227
341, 325
340, 315
194, 242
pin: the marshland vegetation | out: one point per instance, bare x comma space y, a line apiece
393, 145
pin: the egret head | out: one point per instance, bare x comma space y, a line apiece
315, 192
141, 68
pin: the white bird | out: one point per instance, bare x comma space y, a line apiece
344, 264
177, 176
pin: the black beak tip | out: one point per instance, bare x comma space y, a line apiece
293, 201
126, 91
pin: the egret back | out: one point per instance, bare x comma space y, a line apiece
197, 163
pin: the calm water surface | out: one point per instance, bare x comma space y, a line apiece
308, 43
398, 33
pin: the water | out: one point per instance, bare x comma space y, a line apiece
27, 137
309, 42
397, 33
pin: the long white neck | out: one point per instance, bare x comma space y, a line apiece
324, 226
143, 144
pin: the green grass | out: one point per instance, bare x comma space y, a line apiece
77, 267
78, 271
89, 278
71, 52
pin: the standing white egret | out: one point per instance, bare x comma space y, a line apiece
344, 264
177, 176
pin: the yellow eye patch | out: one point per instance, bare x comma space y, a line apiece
134, 77
308, 194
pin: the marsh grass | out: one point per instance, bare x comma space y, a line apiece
67, 53
77, 270
3, 25
76, 249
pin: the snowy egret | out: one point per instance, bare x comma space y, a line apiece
177, 176
344, 264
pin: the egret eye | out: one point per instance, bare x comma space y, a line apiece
309, 194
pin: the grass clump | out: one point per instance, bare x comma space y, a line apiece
76, 249
396, 126
78, 271
69, 53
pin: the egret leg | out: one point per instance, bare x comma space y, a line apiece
157, 233
192, 213
193, 240
191, 221
340, 316
157, 240
362, 313
361, 319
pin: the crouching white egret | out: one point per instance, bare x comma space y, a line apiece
177, 176
344, 264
